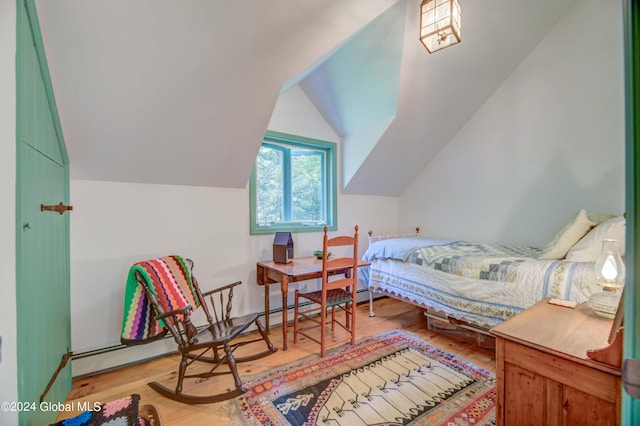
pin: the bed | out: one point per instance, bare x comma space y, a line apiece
476, 285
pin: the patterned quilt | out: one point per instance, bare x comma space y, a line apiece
497, 262
479, 283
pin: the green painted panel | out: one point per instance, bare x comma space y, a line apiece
631, 406
43, 293
37, 95
42, 238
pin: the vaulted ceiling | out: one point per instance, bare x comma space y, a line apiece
159, 91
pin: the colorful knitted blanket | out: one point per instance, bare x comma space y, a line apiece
169, 278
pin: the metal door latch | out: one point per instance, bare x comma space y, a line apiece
60, 208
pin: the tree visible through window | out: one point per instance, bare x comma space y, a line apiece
293, 185
269, 185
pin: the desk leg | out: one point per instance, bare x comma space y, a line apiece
285, 310
267, 308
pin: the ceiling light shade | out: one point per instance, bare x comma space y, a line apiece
439, 24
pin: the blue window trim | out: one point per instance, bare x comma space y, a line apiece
330, 188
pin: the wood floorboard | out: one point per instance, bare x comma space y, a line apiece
390, 314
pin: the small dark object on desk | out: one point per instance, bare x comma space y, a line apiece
283, 247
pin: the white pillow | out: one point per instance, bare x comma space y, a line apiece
598, 218
589, 247
566, 237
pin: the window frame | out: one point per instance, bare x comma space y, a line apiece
330, 186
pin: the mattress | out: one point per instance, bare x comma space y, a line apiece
480, 283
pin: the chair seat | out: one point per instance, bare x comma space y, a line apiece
223, 331
334, 297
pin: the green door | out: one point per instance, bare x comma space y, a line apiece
42, 240
631, 350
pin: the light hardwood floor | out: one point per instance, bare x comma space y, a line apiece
390, 314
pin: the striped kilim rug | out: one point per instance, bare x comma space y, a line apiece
394, 378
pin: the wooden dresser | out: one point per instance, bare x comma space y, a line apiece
544, 376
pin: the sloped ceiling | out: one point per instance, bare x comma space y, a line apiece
159, 91
356, 88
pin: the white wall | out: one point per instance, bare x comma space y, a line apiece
8, 355
548, 142
116, 224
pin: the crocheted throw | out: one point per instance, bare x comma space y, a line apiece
169, 278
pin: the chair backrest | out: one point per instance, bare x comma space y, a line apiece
170, 287
342, 262
154, 286
169, 279
173, 291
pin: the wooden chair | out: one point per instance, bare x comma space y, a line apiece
214, 343
338, 293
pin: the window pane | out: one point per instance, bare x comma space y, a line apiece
306, 185
293, 185
269, 185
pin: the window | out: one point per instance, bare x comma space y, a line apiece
293, 185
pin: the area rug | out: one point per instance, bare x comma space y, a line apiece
394, 378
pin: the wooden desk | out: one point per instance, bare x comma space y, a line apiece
300, 269
543, 373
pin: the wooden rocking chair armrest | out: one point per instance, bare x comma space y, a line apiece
181, 311
217, 290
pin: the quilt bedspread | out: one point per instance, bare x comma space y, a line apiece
479, 282
497, 262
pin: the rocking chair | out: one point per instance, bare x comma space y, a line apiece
173, 293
